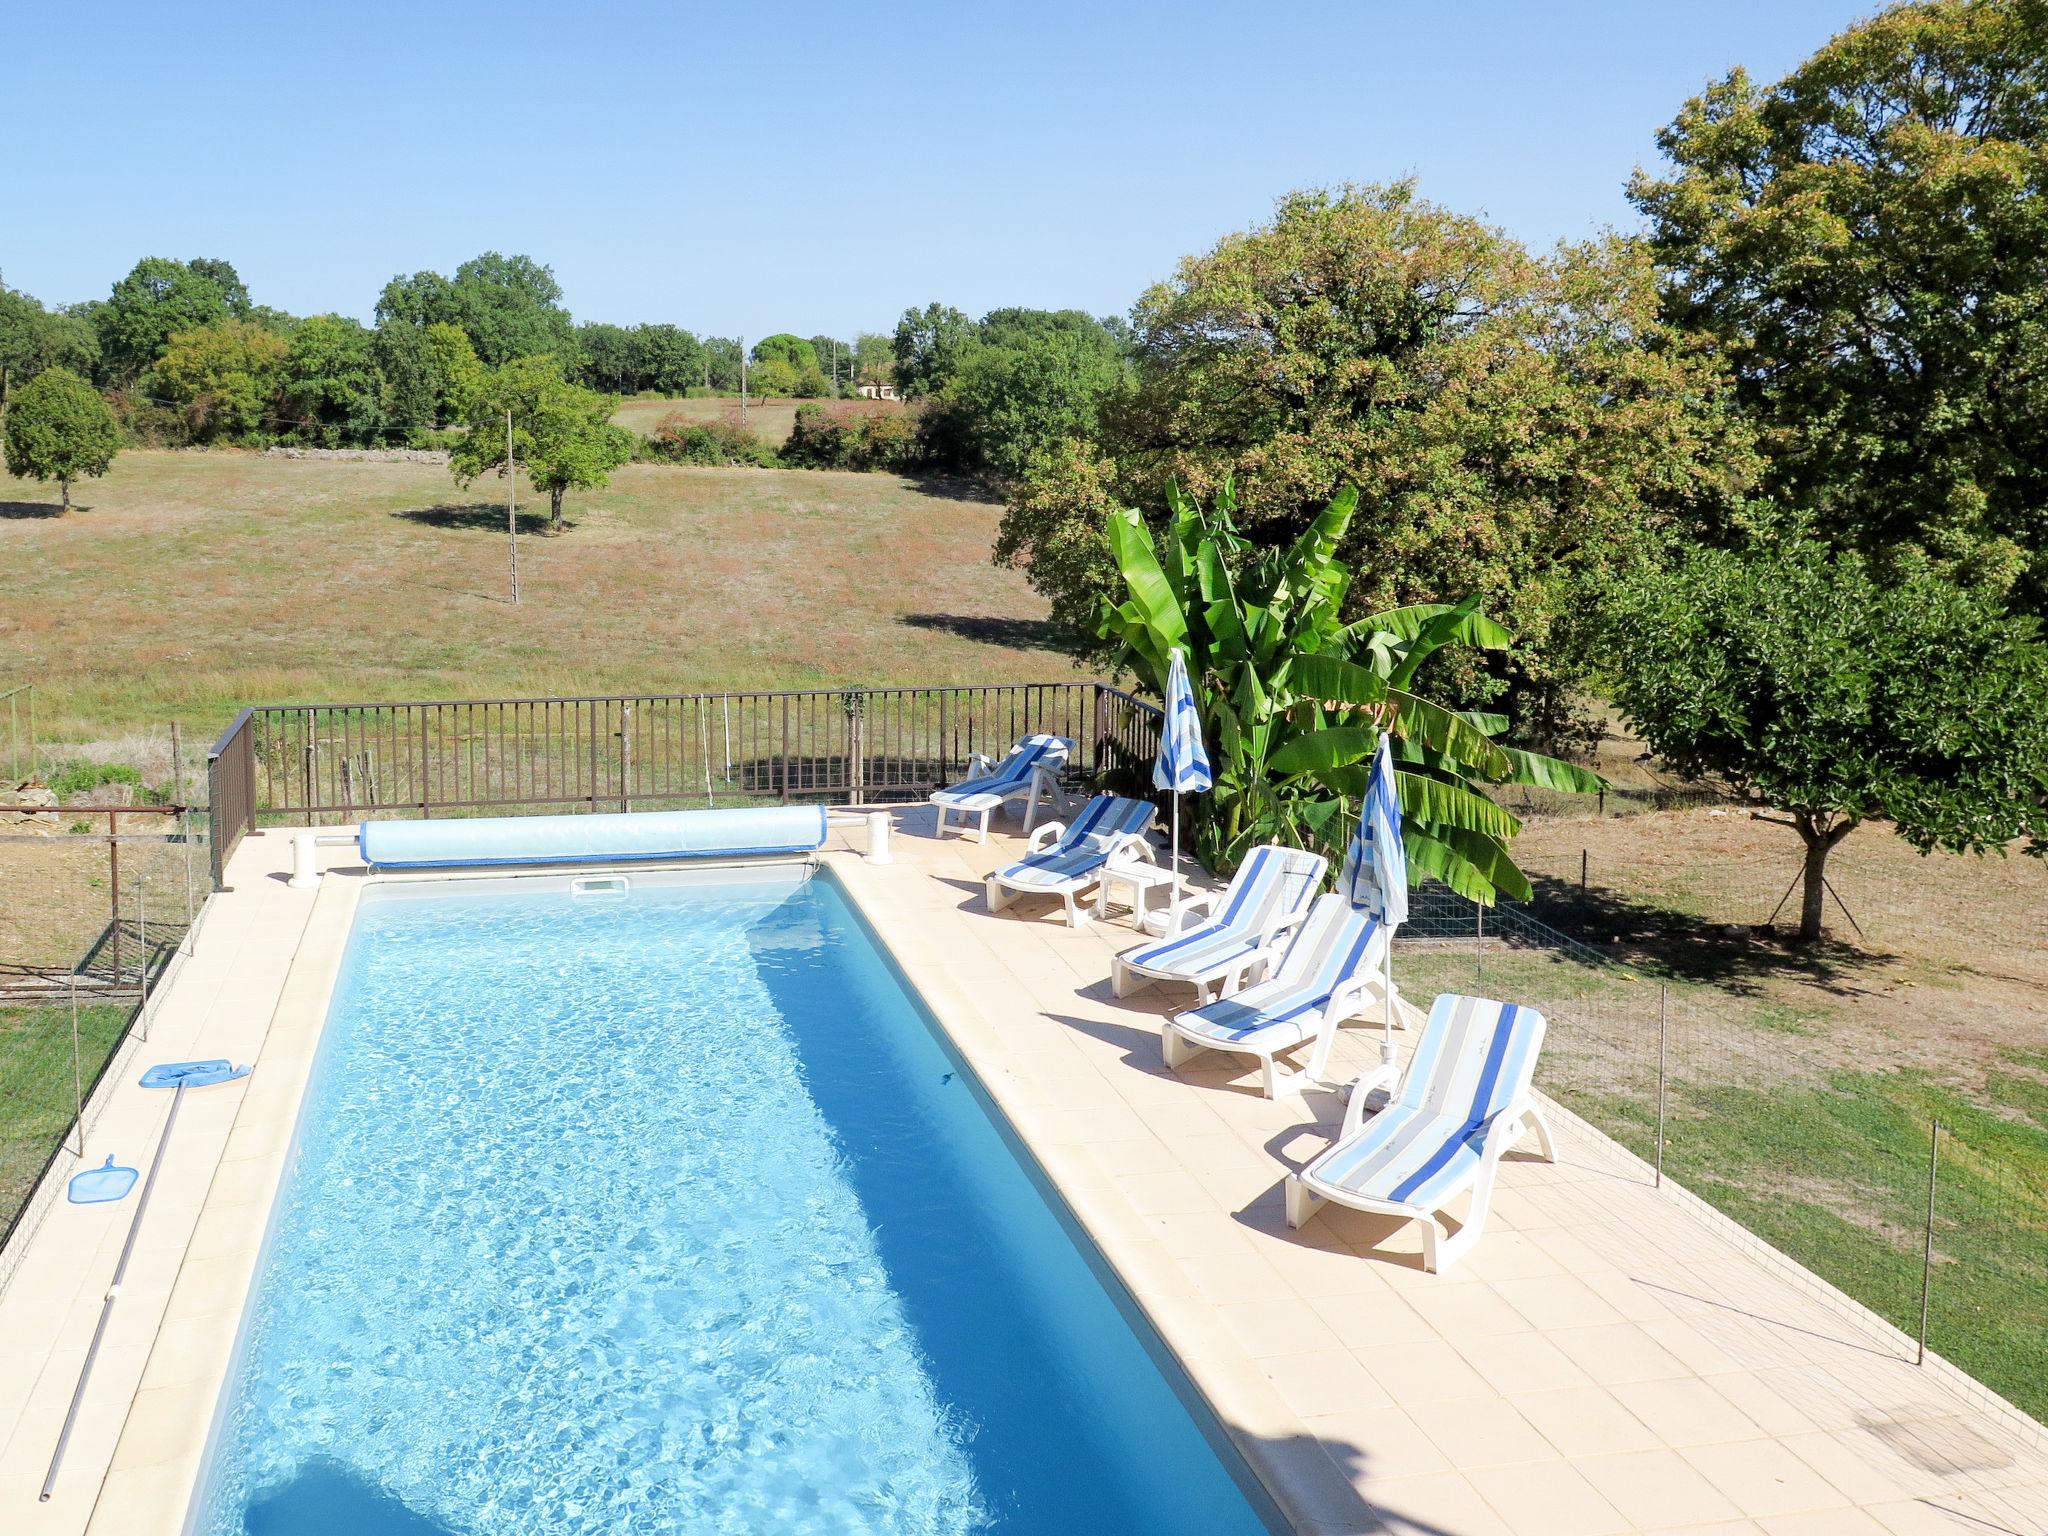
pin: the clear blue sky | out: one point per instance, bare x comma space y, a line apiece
814, 167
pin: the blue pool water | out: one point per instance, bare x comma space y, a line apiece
670, 1213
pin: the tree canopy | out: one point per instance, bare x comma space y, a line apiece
58, 428
1867, 243
1514, 423
511, 306
224, 378
156, 299
1786, 670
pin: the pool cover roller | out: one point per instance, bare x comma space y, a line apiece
616, 837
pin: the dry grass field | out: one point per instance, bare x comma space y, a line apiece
770, 420
185, 585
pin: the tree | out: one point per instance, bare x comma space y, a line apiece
722, 364
1868, 241
793, 351
1294, 700
331, 387
458, 373
1785, 670
32, 339
771, 378
60, 429
224, 377
222, 274
927, 346
409, 378
606, 357
667, 358
835, 359
157, 298
562, 433
1517, 425
874, 359
512, 307
1023, 382
424, 299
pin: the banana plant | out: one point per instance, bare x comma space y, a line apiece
1294, 700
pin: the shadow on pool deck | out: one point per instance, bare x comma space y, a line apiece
329, 1498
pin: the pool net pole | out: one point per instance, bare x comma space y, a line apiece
113, 1295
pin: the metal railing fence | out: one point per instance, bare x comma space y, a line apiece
314, 763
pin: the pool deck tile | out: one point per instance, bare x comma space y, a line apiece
1611, 1357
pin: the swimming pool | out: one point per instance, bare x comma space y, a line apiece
671, 1212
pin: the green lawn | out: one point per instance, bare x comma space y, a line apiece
37, 1086
1828, 1164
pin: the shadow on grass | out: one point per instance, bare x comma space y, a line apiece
476, 517
1686, 947
1014, 634
28, 509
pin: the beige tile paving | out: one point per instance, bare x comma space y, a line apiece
1611, 1357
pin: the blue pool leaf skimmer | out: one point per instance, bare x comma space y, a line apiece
97, 1186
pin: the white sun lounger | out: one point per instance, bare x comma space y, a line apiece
1029, 773
1464, 1100
1267, 899
1332, 971
1067, 858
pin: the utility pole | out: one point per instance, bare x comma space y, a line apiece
512, 507
743, 373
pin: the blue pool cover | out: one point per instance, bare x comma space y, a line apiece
603, 839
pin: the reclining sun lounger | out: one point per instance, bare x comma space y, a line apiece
1331, 972
1268, 897
1464, 1100
1029, 773
1067, 858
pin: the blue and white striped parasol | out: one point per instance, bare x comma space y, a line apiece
1183, 764
1375, 875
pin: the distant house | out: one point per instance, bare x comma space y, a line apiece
878, 391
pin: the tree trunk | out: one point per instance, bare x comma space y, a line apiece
1820, 838
65, 482
555, 509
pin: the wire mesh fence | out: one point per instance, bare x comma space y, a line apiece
102, 877
111, 911
1821, 1151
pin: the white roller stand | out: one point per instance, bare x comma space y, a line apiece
306, 857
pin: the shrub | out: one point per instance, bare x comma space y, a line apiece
680, 439
844, 436
79, 776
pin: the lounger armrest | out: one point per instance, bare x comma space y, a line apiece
1506, 1128
1203, 902
1354, 1108
1346, 995
1131, 848
979, 764
1045, 835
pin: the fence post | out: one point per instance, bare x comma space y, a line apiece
142, 930
1927, 1251
626, 757
77, 1072
1663, 1047
114, 888
784, 775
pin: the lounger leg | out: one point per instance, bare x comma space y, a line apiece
939, 822
1276, 1079
1302, 1203
1545, 1142
983, 837
1121, 981
1175, 1049
1435, 1246
999, 896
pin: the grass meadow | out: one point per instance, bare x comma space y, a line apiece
186, 585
